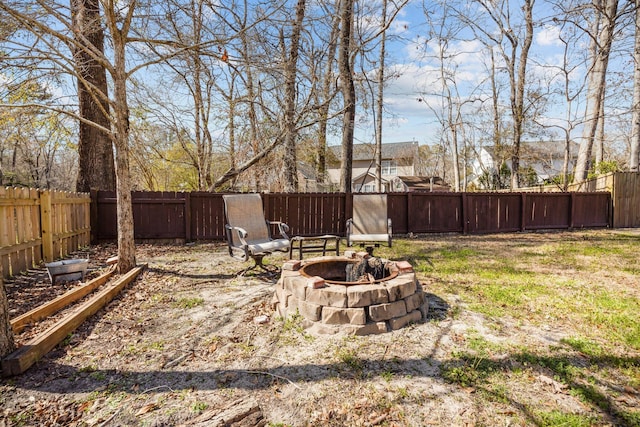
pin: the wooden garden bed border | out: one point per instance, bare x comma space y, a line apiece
23, 358
53, 306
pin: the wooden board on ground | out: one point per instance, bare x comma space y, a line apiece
53, 306
21, 359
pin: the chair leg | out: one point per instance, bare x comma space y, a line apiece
259, 264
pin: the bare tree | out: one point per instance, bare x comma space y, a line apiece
326, 93
291, 70
380, 96
513, 45
601, 31
52, 30
348, 94
96, 168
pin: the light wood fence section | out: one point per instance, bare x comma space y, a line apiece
625, 196
626, 200
38, 226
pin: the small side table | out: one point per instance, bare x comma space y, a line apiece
313, 244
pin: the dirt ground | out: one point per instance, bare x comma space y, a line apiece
180, 345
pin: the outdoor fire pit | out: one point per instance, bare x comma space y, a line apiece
355, 294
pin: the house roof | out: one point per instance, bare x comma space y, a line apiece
535, 150
367, 174
393, 150
424, 183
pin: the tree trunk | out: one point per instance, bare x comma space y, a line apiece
323, 111
518, 108
348, 95
599, 141
95, 164
601, 46
126, 242
290, 133
380, 100
634, 153
7, 344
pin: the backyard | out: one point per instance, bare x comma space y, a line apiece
531, 329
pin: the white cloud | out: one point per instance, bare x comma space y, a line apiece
549, 36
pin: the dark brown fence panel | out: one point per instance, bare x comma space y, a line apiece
156, 215
200, 215
206, 218
547, 210
493, 212
398, 211
159, 215
106, 226
307, 214
435, 212
591, 210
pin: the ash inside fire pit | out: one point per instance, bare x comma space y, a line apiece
349, 271
367, 270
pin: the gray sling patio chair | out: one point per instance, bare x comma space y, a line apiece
370, 224
249, 233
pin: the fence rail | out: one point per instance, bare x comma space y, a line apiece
38, 225
200, 215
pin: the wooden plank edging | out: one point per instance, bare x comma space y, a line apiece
53, 306
23, 358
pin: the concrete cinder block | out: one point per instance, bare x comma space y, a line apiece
310, 311
291, 265
413, 302
331, 295
336, 316
400, 287
296, 286
400, 322
387, 311
366, 295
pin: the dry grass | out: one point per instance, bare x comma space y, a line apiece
524, 329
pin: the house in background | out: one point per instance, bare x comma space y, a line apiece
409, 184
307, 182
398, 159
545, 158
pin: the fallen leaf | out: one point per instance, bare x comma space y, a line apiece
146, 409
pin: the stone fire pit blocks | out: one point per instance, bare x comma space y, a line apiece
327, 306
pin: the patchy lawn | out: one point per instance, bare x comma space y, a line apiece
535, 329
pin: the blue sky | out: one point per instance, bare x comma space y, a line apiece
411, 119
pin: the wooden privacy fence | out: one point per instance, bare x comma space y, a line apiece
200, 215
38, 225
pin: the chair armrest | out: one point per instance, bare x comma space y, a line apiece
242, 234
282, 228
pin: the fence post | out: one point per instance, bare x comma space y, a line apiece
187, 216
93, 216
523, 211
463, 214
47, 224
572, 210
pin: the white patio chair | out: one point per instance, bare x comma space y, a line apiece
370, 224
249, 233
